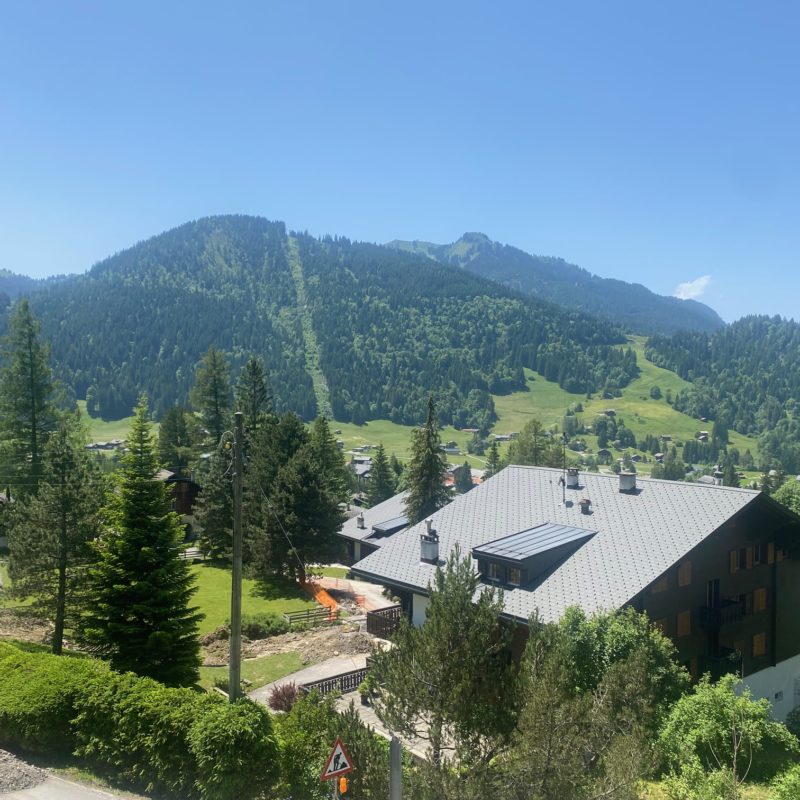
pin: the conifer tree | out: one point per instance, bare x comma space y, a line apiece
464, 478
253, 397
211, 394
175, 440
214, 508
139, 615
50, 541
27, 415
380, 484
425, 473
330, 459
493, 463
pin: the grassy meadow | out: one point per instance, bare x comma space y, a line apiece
258, 671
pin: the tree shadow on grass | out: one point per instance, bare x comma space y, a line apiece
277, 587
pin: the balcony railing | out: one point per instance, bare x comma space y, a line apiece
714, 617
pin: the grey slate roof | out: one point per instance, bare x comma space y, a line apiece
533, 541
639, 535
388, 510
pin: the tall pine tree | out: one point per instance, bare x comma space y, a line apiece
211, 394
253, 397
140, 591
330, 459
50, 541
214, 507
425, 473
381, 482
493, 463
27, 416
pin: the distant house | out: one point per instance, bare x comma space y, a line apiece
502, 437
184, 493
450, 450
604, 455
610, 412
636, 458
723, 582
371, 528
665, 437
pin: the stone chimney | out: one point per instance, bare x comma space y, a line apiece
429, 544
627, 482
360, 521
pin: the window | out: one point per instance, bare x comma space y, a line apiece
759, 644
684, 626
661, 585
733, 561
494, 571
749, 558
760, 554
514, 576
685, 573
760, 600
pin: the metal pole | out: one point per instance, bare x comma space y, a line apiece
395, 769
235, 656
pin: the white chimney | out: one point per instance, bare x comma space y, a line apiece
719, 476
360, 520
627, 482
572, 478
586, 506
429, 544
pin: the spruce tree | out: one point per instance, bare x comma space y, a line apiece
175, 441
214, 507
211, 394
27, 416
253, 397
381, 482
330, 459
425, 473
464, 478
493, 463
140, 591
50, 541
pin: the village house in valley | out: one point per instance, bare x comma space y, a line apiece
716, 568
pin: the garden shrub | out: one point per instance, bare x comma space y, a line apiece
180, 743
39, 698
787, 785
793, 721
283, 697
263, 625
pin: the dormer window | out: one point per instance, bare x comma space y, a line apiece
519, 559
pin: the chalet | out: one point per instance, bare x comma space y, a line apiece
184, 493
610, 412
371, 528
717, 569
604, 455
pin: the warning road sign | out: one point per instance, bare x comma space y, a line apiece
339, 762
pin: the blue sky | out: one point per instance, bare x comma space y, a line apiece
652, 142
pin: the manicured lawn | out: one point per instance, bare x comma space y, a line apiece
256, 670
331, 572
214, 596
5, 582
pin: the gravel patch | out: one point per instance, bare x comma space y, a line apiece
16, 775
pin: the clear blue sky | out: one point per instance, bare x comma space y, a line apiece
655, 142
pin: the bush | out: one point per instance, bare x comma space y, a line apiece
264, 625
793, 721
283, 697
179, 742
787, 785
39, 697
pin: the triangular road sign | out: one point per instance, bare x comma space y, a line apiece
339, 762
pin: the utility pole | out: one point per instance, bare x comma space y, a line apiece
235, 655
395, 769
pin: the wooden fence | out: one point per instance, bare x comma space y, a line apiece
312, 616
384, 623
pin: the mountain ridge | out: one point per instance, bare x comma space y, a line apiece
632, 305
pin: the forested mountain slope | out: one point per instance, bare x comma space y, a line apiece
630, 305
376, 330
746, 375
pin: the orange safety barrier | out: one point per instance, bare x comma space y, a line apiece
321, 596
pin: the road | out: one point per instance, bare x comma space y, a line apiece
55, 788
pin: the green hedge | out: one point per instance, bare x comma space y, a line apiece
177, 742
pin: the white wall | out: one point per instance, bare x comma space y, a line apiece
419, 605
779, 684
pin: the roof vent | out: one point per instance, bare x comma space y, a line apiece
627, 482
360, 521
719, 476
572, 478
586, 506
429, 544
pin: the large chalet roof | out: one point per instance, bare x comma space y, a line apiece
639, 535
389, 511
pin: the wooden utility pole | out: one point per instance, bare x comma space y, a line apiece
235, 656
